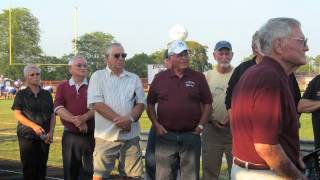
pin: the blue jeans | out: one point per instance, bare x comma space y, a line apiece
178, 148
150, 161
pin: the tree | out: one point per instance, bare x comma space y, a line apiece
247, 58
158, 56
92, 46
138, 64
54, 72
25, 41
198, 56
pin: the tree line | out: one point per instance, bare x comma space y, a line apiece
26, 49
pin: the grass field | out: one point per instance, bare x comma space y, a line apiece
9, 146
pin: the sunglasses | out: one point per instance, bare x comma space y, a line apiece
34, 74
117, 56
81, 65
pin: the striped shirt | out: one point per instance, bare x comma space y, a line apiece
119, 93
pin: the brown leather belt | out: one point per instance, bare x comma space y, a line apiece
249, 165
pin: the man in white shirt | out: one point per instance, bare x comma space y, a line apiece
117, 96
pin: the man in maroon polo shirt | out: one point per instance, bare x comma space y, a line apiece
78, 138
184, 102
264, 117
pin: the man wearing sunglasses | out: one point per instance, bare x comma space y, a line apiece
184, 102
71, 105
264, 115
117, 96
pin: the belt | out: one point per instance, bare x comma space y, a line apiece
249, 165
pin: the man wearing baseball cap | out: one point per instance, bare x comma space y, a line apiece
184, 102
216, 137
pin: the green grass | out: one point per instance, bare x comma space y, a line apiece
9, 148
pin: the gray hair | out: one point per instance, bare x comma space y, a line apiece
28, 68
110, 46
255, 43
74, 58
274, 29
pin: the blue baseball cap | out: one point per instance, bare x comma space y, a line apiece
222, 44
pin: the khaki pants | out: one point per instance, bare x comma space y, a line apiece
239, 173
215, 143
128, 152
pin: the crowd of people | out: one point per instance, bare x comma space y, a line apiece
249, 113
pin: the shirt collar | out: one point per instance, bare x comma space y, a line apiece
72, 82
110, 73
187, 72
29, 91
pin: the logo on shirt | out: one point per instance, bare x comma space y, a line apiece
190, 83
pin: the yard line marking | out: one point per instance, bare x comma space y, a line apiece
17, 172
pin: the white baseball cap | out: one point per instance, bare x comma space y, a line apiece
177, 47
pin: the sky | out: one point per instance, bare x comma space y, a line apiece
143, 25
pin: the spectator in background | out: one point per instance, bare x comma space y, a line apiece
310, 103
117, 96
216, 137
33, 108
78, 135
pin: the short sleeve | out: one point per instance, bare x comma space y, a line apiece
18, 101
59, 100
309, 93
152, 97
267, 115
205, 94
94, 90
140, 97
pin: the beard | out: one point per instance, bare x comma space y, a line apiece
225, 65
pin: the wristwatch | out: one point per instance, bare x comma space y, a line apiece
200, 126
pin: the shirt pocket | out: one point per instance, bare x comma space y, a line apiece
193, 93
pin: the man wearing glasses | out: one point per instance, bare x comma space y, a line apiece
117, 96
71, 105
184, 102
264, 116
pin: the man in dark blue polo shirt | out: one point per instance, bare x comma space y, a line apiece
264, 117
184, 102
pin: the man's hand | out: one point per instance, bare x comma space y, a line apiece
122, 122
78, 120
83, 128
38, 129
197, 130
160, 129
49, 138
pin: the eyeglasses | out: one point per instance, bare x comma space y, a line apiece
305, 40
123, 55
81, 65
34, 74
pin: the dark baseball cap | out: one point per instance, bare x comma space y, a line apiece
222, 44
